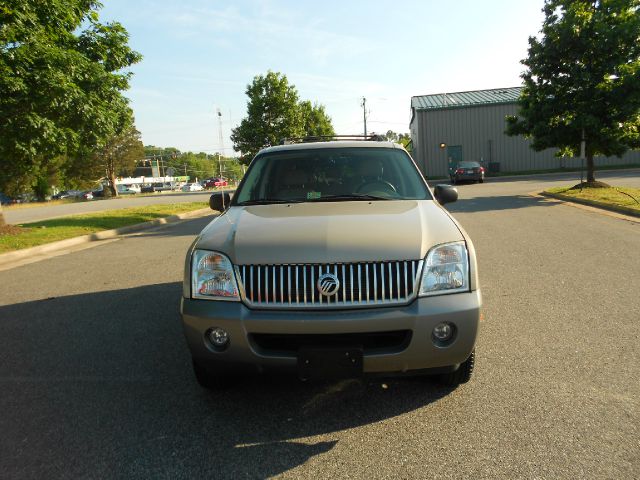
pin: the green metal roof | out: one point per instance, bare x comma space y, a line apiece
464, 99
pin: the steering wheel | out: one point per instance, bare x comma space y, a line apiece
376, 185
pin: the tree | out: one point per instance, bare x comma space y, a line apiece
401, 138
315, 121
272, 114
61, 78
583, 80
119, 155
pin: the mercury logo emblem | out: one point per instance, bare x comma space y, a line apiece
328, 284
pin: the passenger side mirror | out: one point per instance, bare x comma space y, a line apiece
219, 201
445, 194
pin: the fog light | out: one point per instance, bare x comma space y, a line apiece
443, 332
218, 337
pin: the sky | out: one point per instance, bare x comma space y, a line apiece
199, 56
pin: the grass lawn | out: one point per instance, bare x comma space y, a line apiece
614, 196
38, 233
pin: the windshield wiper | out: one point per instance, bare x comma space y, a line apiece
266, 201
350, 196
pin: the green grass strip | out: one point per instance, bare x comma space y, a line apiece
623, 198
47, 231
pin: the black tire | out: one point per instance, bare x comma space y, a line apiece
462, 374
208, 380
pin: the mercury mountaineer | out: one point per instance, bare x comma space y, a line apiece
333, 259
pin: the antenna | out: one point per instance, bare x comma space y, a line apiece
220, 141
221, 146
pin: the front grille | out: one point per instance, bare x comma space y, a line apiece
361, 284
371, 342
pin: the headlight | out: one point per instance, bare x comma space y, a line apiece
212, 276
446, 270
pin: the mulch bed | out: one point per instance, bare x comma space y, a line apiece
595, 184
11, 230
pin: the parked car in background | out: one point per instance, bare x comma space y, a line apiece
467, 171
66, 194
215, 182
135, 188
124, 190
6, 200
192, 187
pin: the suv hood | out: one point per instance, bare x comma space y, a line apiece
329, 232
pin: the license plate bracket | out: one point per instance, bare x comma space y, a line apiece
318, 363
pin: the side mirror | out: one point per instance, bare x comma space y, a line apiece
445, 194
219, 201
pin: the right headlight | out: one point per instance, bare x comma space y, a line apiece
212, 277
446, 270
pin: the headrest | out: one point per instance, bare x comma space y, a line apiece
294, 177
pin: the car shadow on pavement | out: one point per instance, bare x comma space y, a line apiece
100, 385
508, 202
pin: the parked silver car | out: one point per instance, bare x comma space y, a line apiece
333, 259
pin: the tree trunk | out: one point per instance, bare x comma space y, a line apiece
590, 168
112, 185
2, 221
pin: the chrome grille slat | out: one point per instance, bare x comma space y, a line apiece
366, 276
362, 284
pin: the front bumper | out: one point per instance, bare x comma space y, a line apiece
420, 317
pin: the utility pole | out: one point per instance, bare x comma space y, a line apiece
220, 142
364, 114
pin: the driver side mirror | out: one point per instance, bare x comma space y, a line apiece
445, 194
219, 201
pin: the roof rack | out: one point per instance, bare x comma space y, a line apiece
328, 138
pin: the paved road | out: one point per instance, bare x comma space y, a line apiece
31, 213
629, 178
95, 379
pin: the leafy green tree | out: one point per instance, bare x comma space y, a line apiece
583, 80
401, 138
118, 156
61, 78
315, 120
272, 114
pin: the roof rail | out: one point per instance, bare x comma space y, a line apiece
329, 138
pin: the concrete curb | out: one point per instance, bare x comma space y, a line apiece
594, 204
17, 255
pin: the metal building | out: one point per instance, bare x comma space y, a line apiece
450, 127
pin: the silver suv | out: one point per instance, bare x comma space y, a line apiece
332, 260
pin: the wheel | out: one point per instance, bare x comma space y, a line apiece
208, 380
462, 374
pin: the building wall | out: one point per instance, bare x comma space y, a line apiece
479, 130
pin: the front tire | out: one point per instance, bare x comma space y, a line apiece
462, 374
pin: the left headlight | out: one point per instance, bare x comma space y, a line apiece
446, 270
212, 277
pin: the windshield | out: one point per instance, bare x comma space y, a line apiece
331, 174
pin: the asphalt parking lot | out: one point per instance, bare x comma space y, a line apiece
96, 382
